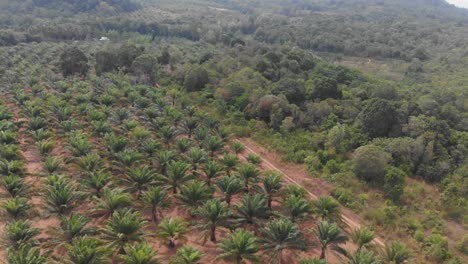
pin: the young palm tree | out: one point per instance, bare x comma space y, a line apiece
187, 255
124, 227
87, 250
249, 173
252, 208
362, 237
176, 175
237, 147
90, 162
17, 207
26, 254
279, 235
329, 235
168, 134
230, 162
138, 180
165, 158
196, 157
14, 185
71, 228
172, 230
214, 144
61, 198
157, 199
201, 135
96, 181
112, 200
239, 246
183, 145
212, 214
52, 165
295, 207
395, 253
189, 125
193, 194
229, 186
139, 253
327, 209
313, 261
212, 170
19, 232
360, 257
271, 185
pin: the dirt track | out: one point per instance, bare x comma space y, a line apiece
296, 174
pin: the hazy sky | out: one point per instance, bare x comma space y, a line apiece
460, 3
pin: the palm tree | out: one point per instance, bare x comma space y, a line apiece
230, 162
112, 200
183, 145
71, 228
201, 135
61, 198
360, 257
172, 230
238, 246
139, 253
196, 157
229, 186
168, 134
165, 158
19, 232
296, 207
279, 235
96, 181
189, 125
157, 199
237, 147
329, 235
87, 250
362, 237
193, 194
396, 253
313, 261
212, 214
249, 173
328, 209
52, 165
176, 175
214, 144
272, 185
252, 208
26, 254
17, 207
124, 227
14, 185
139, 179
187, 255
211, 169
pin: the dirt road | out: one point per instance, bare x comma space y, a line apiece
296, 174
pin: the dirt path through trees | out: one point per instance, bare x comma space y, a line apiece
297, 174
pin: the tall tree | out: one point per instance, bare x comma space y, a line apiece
329, 235
212, 214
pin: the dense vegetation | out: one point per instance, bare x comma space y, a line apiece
136, 133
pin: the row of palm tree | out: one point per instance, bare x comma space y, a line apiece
131, 157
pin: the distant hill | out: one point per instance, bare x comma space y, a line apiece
73, 6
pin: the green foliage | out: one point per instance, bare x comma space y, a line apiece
187, 255
172, 230
73, 61
394, 183
370, 163
239, 246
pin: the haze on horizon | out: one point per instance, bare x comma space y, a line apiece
459, 3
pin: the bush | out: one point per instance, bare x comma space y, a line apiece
344, 196
394, 183
370, 163
436, 247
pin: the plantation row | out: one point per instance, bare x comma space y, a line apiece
131, 174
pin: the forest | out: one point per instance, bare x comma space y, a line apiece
215, 131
